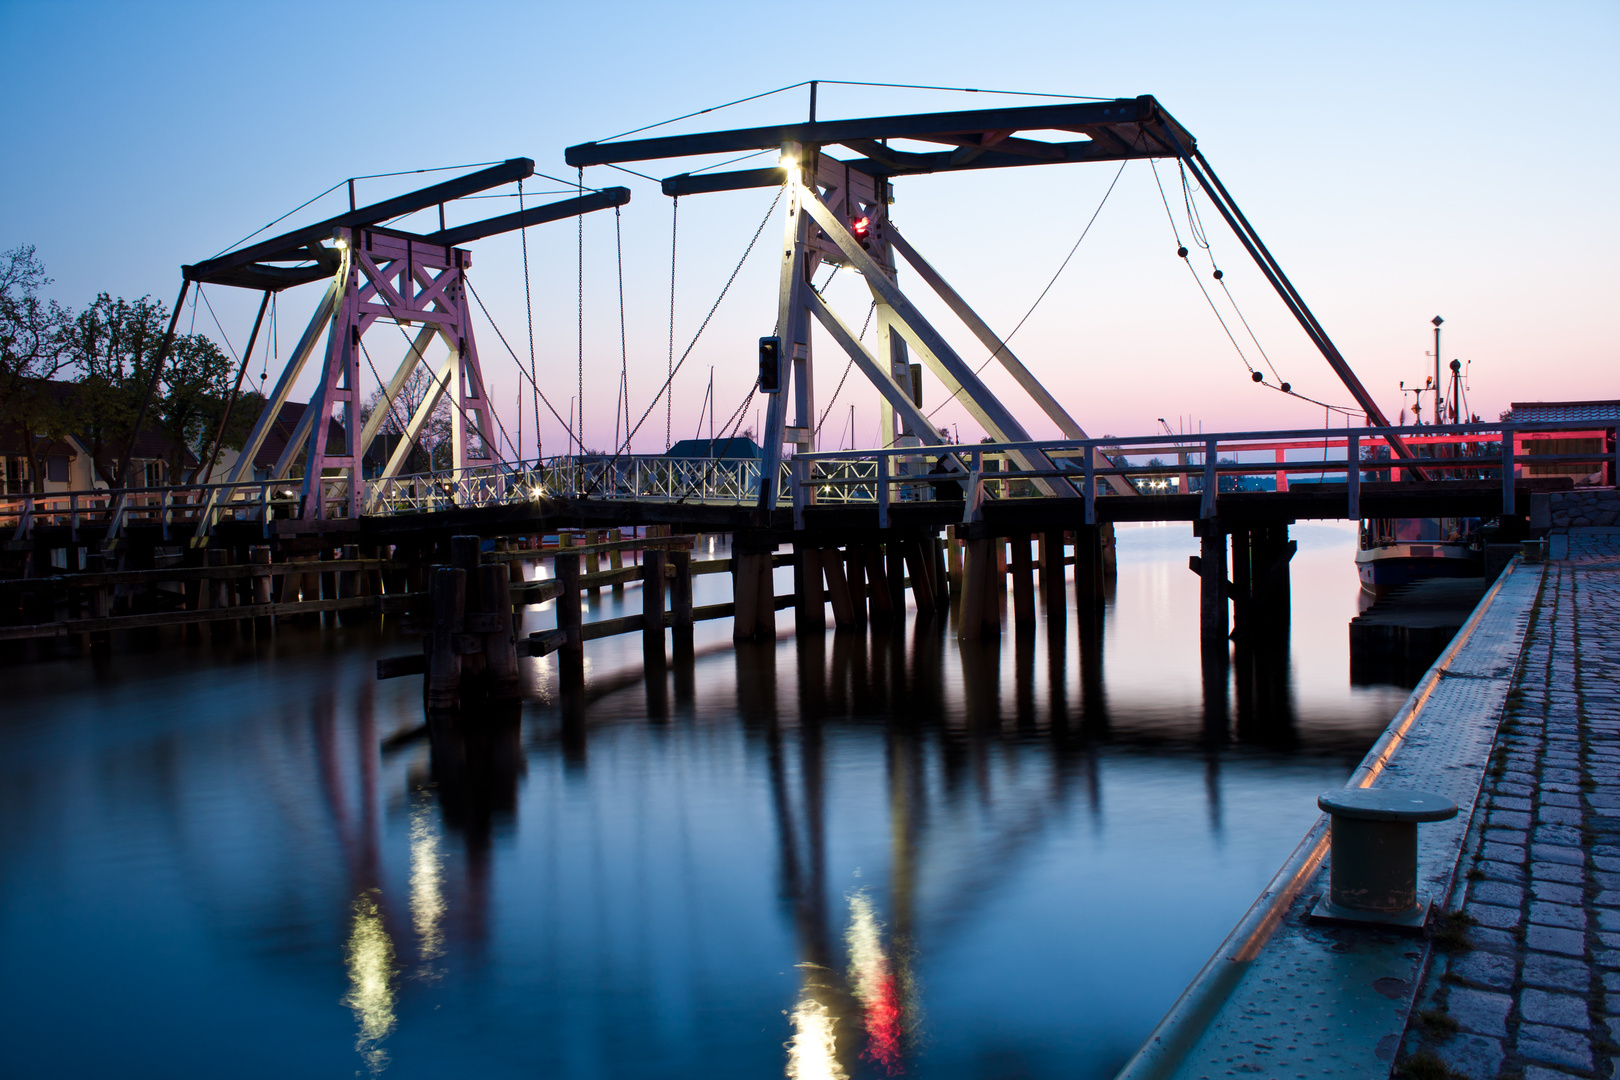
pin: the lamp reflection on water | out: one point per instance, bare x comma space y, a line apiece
875, 987
427, 886
813, 1050
370, 960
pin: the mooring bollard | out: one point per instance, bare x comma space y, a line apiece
1373, 863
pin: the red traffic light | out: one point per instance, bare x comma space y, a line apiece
862, 228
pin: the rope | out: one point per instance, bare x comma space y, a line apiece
528, 307
669, 399
959, 90
702, 327
624, 347
538, 392
1061, 267
700, 112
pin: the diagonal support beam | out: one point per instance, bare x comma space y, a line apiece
379, 416
998, 348
877, 372
958, 378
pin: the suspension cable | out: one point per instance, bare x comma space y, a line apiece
528, 307
624, 346
1061, 267
540, 394
862, 337
581, 330
669, 399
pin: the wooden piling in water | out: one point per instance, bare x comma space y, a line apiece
979, 594
1023, 582
616, 559
855, 580
680, 602
953, 563
571, 656
1052, 581
593, 561
881, 600
447, 598
765, 597
1213, 622
652, 607
503, 678
832, 564
811, 610
920, 567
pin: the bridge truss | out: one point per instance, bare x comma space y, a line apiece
838, 215
375, 273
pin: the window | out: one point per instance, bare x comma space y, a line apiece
56, 469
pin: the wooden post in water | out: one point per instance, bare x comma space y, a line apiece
465, 556
652, 607
259, 555
571, 656
877, 585
895, 574
680, 602
855, 578
1057, 604
953, 559
765, 597
920, 565
593, 561
504, 679
811, 611
832, 564
1213, 623
616, 559
447, 596
1023, 582
978, 589
744, 593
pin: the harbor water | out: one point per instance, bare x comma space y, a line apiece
868, 854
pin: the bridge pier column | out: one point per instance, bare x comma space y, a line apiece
1088, 567
1052, 581
810, 613
1023, 583
1214, 623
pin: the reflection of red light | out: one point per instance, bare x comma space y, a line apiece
883, 1027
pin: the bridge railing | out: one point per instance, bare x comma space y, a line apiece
1203, 464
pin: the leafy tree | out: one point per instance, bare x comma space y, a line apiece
435, 442
31, 351
114, 344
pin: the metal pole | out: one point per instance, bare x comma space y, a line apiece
1439, 399
230, 406
151, 384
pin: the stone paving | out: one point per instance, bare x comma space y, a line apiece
1535, 991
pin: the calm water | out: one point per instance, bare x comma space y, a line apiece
858, 856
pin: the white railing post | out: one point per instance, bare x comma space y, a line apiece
1089, 482
1211, 480
1507, 470
1352, 476
883, 490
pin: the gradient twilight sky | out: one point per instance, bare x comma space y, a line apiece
1400, 160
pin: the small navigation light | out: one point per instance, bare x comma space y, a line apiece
862, 228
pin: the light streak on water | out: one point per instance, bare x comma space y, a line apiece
370, 960
813, 1050
427, 885
873, 982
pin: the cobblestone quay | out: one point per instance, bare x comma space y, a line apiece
1526, 981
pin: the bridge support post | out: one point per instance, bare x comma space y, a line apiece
448, 599
571, 656
652, 610
855, 578
1088, 567
810, 614
879, 596
920, 562
832, 563
1213, 622
1052, 581
680, 602
980, 614
1023, 582
504, 678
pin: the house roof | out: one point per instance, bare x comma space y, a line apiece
716, 448
286, 423
1603, 413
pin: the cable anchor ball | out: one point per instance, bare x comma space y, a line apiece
1287, 388
1181, 251
1219, 275
1256, 376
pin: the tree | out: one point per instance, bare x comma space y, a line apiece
31, 351
115, 345
435, 441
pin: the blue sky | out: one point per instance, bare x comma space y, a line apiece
1401, 161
